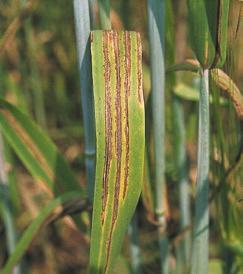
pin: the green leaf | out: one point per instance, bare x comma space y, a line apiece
186, 92
188, 65
208, 22
120, 138
33, 229
189, 93
36, 150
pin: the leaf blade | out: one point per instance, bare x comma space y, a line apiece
119, 113
36, 150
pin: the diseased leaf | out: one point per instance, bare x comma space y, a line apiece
36, 150
120, 138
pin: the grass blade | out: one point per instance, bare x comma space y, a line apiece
156, 33
34, 228
156, 26
208, 22
36, 150
119, 113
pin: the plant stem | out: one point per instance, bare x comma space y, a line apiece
156, 30
201, 225
104, 11
181, 167
134, 245
82, 24
156, 25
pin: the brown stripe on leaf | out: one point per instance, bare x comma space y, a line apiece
139, 73
118, 123
127, 86
108, 122
127, 62
118, 135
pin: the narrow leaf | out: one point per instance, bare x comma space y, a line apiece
188, 65
36, 150
208, 22
119, 115
156, 22
34, 228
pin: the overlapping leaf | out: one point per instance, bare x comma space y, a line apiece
208, 22
36, 150
34, 227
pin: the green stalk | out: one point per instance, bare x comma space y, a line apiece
133, 233
104, 11
181, 167
82, 24
156, 37
201, 225
156, 23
